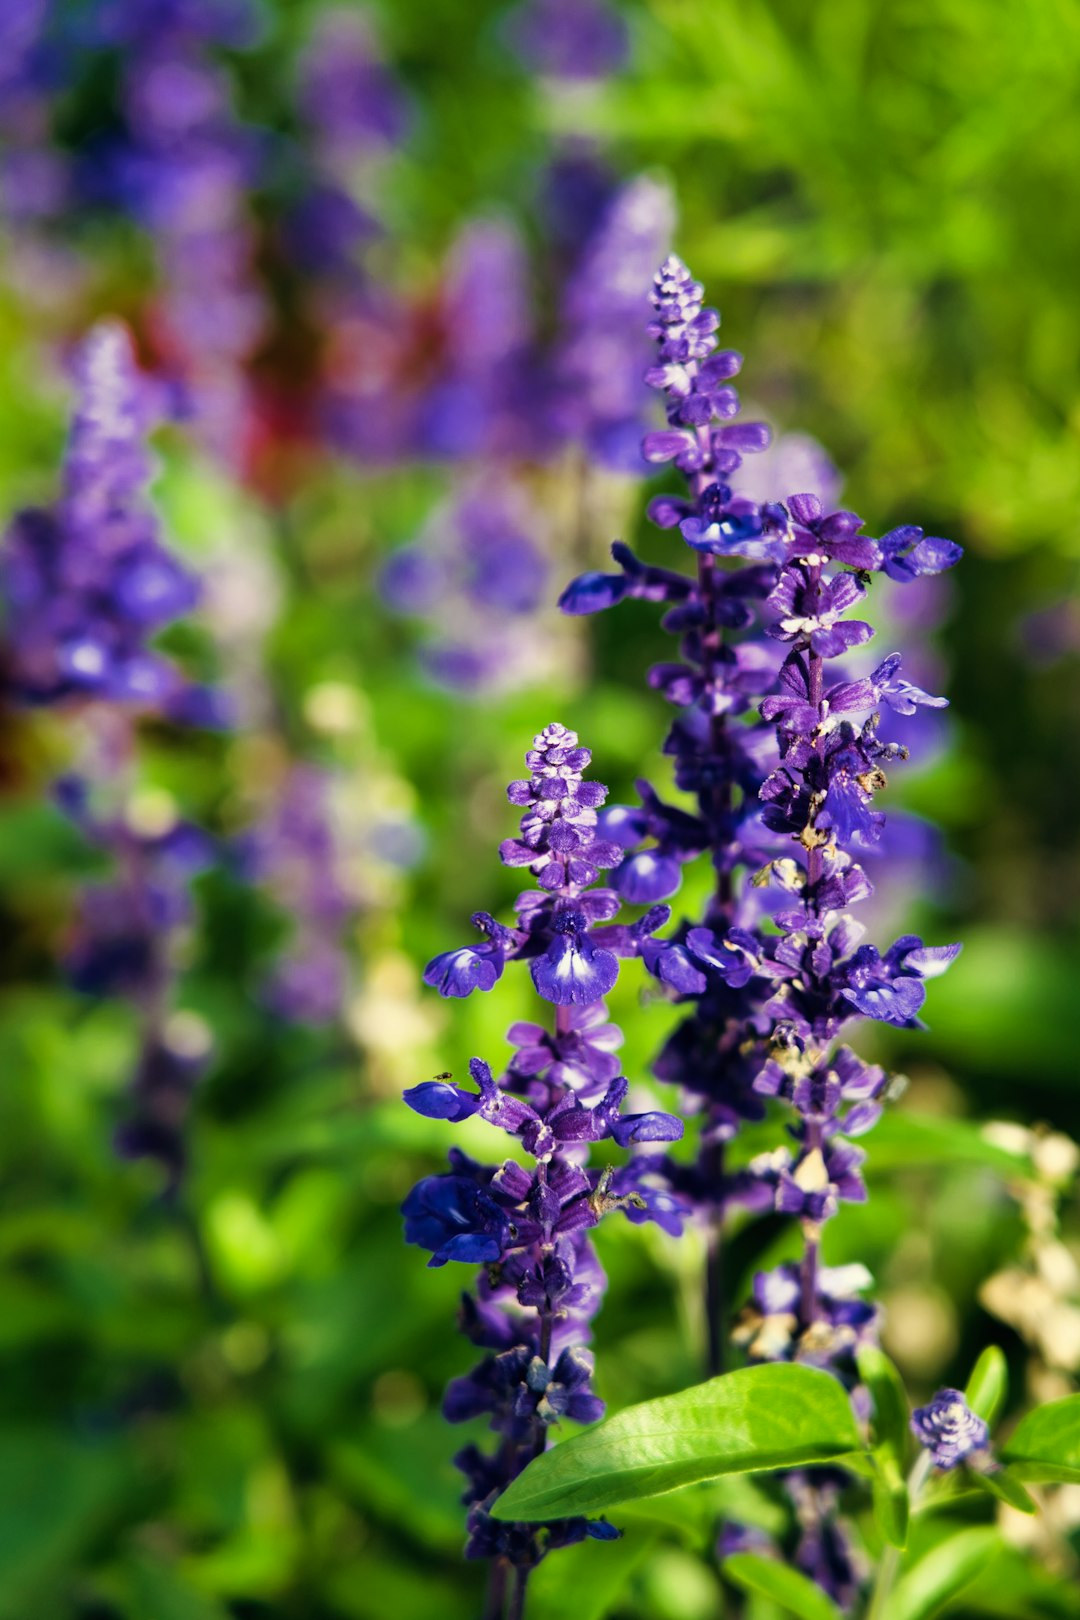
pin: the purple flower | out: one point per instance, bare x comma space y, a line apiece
825, 1551
456, 1220
170, 1066
908, 554
573, 971
808, 611
890, 987
297, 853
561, 1391
347, 93
593, 592
581, 1055
472, 967
902, 696
949, 1429
809, 533
602, 399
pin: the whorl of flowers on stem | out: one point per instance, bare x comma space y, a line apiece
529, 1228
950, 1431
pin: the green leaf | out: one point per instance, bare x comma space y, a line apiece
989, 1384
158, 1591
786, 1586
692, 1512
944, 1572
891, 1504
1013, 1587
1006, 1487
773, 1416
903, 1138
1045, 1445
891, 1410
891, 1415
588, 1580
55, 1497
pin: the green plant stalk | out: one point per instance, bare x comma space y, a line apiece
890, 1562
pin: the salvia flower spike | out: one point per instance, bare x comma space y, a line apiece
528, 1227
782, 747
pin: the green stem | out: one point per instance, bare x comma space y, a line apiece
890, 1561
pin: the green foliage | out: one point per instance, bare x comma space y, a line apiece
758, 1418
793, 1591
941, 1574
1045, 1445
988, 1385
891, 1415
1003, 1485
578, 1582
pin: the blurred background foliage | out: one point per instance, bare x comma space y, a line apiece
228, 1405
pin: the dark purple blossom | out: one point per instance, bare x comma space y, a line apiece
825, 1550
123, 942
456, 1220
890, 987
472, 967
949, 1429
573, 971
347, 93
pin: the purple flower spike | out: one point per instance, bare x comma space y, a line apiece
949, 1429
561, 1091
784, 761
88, 583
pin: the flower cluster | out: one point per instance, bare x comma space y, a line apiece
951, 1432
779, 742
88, 582
529, 1225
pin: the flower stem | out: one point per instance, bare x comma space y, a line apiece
517, 1599
715, 1316
890, 1560
496, 1590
